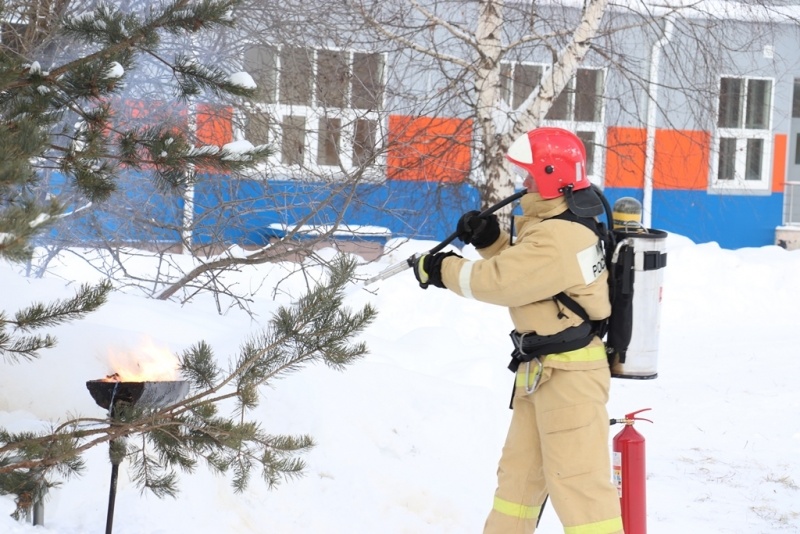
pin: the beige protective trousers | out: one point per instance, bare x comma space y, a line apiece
557, 444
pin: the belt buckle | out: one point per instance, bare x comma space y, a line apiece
518, 340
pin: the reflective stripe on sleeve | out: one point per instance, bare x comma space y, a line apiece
515, 510
609, 526
463, 279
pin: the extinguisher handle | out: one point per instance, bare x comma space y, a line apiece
630, 418
632, 415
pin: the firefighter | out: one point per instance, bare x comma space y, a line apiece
557, 442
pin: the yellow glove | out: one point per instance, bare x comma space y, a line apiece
428, 268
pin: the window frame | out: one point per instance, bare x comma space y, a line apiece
741, 136
597, 129
315, 113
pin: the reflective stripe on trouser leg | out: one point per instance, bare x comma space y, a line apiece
513, 509
520, 481
573, 424
600, 527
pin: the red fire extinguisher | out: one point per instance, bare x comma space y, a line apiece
630, 474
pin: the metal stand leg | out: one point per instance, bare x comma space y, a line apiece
38, 511
112, 497
116, 451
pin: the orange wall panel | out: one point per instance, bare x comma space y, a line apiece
429, 149
131, 114
625, 157
681, 160
137, 113
779, 163
214, 124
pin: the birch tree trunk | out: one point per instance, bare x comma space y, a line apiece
498, 182
496, 123
499, 130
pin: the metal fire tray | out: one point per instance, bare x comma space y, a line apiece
155, 394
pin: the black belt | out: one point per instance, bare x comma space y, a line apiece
531, 345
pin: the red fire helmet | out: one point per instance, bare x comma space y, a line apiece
554, 157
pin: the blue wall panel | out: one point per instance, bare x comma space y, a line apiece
408, 209
137, 211
733, 221
240, 211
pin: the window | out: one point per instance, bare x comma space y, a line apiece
588, 95
743, 139
578, 108
518, 81
367, 81
256, 128
588, 139
796, 99
320, 108
329, 141
262, 64
791, 197
296, 76
332, 78
364, 142
293, 140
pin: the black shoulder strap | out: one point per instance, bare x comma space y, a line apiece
589, 222
602, 234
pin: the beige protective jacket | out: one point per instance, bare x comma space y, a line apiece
548, 257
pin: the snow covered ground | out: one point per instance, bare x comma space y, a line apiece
409, 437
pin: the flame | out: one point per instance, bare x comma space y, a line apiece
111, 378
147, 363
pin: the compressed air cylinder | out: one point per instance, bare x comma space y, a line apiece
642, 260
627, 214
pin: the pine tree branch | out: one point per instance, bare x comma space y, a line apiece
86, 300
190, 429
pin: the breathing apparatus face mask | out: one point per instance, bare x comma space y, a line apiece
519, 175
523, 179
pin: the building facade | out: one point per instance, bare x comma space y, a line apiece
704, 131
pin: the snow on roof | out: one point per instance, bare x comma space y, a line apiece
786, 11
